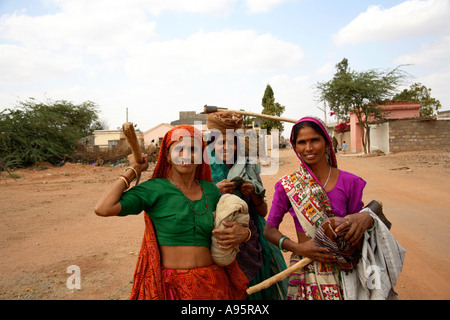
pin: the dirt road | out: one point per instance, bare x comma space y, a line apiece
47, 224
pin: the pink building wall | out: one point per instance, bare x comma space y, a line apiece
394, 110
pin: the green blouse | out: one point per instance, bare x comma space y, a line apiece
174, 221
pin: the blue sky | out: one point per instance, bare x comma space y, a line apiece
160, 57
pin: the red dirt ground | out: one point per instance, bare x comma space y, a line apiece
47, 224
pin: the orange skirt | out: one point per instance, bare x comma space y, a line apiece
153, 282
205, 283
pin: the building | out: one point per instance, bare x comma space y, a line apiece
109, 139
379, 133
155, 135
192, 118
443, 115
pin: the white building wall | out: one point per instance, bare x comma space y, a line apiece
379, 137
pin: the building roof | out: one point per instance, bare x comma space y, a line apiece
190, 117
159, 125
401, 105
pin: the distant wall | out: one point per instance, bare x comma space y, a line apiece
416, 134
379, 137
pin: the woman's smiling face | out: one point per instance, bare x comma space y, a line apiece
310, 145
225, 148
185, 154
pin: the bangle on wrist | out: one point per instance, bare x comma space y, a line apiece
125, 179
135, 172
373, 226
280, 243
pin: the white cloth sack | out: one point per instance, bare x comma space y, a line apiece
229, 208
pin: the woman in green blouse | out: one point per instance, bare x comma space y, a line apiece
178, 203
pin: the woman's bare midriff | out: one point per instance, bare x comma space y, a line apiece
185, 257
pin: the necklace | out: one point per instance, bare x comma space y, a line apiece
329, 173
187, 199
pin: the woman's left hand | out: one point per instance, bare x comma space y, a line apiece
232, 236
226, 186
353, 226
247, 188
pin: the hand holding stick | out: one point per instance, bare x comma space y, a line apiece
130, 134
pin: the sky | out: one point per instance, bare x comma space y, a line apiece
156, 58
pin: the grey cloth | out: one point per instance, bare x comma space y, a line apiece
380, 265
249, 257
249, 171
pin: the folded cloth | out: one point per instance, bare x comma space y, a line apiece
347, 255
229, 208
378, 268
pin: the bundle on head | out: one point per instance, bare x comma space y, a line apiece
224, 120
229, 208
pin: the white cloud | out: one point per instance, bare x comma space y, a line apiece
438, 83
431, 65
258, 6
154, 7
21, 65
73, 53
223, 68
295, 93
408, 19
224, 52
327, 69
429, 54
104, 33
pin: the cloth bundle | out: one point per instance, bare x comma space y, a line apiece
229, 208
347, 255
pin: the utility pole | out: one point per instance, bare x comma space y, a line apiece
324, 112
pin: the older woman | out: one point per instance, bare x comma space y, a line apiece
258, 258
317, 191
178, 203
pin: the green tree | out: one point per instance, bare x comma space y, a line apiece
361, 93
270, 107
44, 131
421, 94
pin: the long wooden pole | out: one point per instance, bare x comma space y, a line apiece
211, 109
279, 276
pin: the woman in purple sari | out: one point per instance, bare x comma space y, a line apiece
316, 192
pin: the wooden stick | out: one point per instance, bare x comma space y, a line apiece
130, 134
211, 109
279, 276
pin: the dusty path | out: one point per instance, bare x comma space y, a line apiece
47, 224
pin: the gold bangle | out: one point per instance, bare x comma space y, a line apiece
127, 185
135, 172
249, 235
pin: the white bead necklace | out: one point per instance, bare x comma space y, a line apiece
329, 174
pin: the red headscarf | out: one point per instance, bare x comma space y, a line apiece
147, 282
163, 168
